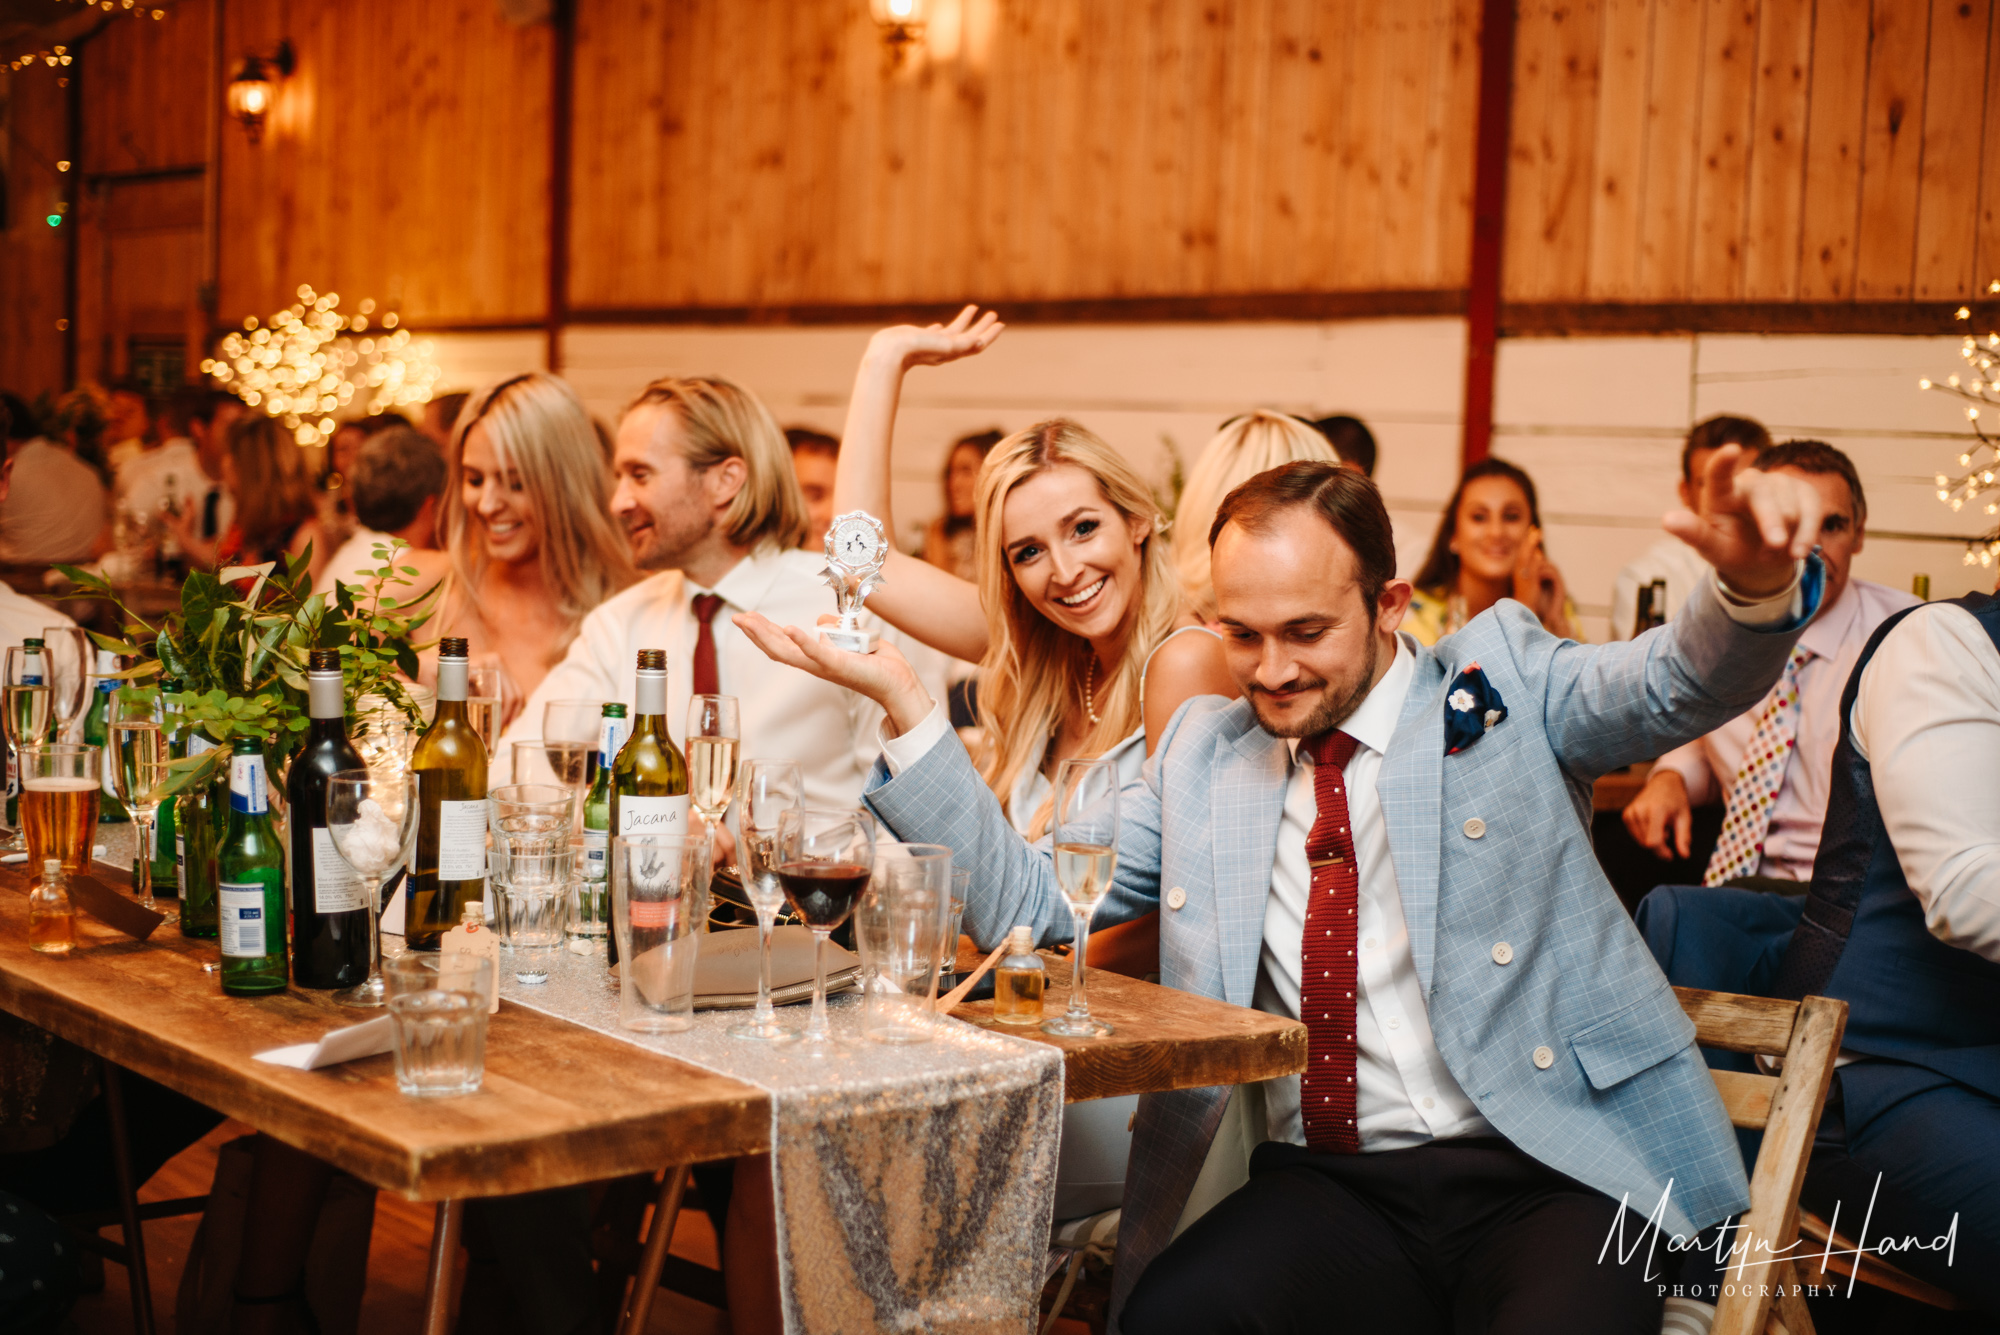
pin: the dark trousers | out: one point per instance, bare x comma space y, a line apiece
1466, 1236
528, 1268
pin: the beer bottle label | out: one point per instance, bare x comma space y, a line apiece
596, 843
243, 925
246, 785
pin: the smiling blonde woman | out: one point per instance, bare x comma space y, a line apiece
530, 543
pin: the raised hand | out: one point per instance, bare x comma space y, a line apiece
884, 676
933, 345
1751, 526
1539, 585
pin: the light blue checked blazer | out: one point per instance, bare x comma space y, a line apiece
1628, 1104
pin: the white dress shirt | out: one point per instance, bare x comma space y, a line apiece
22, 617
54, 508
1709, 764
786, 714
1669, 559
1927, 720
174, 469
352, 562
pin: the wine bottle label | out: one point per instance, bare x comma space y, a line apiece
652, 815
243, 933
181, 863
337, 887
462, 840
246, 785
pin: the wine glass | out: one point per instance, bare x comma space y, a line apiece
767, 790
371, 815
713, 734
485, 696
824, 861
67, 654
25, 695
139, 748
1086, 839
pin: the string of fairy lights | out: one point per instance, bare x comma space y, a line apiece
57, 56
1981, 390
309, 361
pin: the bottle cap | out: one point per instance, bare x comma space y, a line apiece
614, 709
1020, 941
323, 660
652, 660
32, 644
472, 915
454, 646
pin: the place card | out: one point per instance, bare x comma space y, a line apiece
106, 905
341, 1045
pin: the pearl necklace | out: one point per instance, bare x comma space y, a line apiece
1090, 695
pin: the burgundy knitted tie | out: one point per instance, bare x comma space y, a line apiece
1326, 961
704, 680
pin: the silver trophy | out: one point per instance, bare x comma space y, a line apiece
856, 547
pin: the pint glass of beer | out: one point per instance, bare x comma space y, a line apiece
59, 788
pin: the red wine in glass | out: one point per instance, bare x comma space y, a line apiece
823, 893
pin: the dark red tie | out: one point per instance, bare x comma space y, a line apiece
704, 679
1326, 960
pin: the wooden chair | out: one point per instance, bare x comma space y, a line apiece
1786, 1108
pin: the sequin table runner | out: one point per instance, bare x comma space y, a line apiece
915, 1184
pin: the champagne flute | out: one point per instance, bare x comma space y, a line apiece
825, 858
67, 654
25, 696
484, 697
140, 747
1086, 839
713, 734
768, 789
371, 815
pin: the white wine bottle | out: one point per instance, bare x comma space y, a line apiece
649, 779
450, 764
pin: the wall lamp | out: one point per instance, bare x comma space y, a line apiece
901, 21
254, 87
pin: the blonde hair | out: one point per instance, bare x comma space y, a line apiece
1253, 443
1034, 670
720, 420
540, 430
273, 494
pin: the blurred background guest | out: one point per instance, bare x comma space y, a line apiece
266, 474
1246, 445
814, 458
207, 414
530, 545
1669, 559
55, 508
441, 416
167, 475
948, 541
128, 427
20, 616
1488, 547
1351, 440
396, 480
333, 521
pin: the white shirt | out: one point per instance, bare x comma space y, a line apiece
54, 508
1709, 764
786, 714
351, 559
1404, 1093
1669, 559
1927, 719
22, 617
173, 470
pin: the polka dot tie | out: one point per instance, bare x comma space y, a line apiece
1746, 812
1326, 961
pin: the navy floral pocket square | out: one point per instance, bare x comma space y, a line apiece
1471, 706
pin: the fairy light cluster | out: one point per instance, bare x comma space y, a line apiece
1980, 387
309, 361
57, 56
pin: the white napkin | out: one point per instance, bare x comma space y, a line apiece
340, 1045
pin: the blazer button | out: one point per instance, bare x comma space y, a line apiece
1176, 898
1475, 828
1502, 953
1544, 1059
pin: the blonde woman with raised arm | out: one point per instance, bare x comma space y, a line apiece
1248, 444
1076, 617
530, 545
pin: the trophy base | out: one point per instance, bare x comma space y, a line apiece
854, 641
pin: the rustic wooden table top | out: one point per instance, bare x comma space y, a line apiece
560, 1104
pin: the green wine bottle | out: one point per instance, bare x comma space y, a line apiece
250, 876
649, 779
97, 732
166, 829
593, 904
450, 764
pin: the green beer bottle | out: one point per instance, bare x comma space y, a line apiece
201, 816
165, 829
250, 881
592, 896
97, 733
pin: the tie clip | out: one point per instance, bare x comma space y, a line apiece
1325, 862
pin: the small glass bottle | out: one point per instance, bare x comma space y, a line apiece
51, 920
1019, 981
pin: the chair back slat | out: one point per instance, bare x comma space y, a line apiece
1748, 1097
1739, 1023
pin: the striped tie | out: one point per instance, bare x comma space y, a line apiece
1746, 813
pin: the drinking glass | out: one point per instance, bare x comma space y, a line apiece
1086, 839
531, 891
825, 857
371, 815
60, 784
900, 926
26, 699
437, 1007
67, 654
485, 699
659, 900
537, 760
713, 735
139, 750
767, 789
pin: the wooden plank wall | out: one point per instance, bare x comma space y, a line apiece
31, 251
1724, 151
762, 152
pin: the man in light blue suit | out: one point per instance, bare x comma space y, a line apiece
1391, 843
